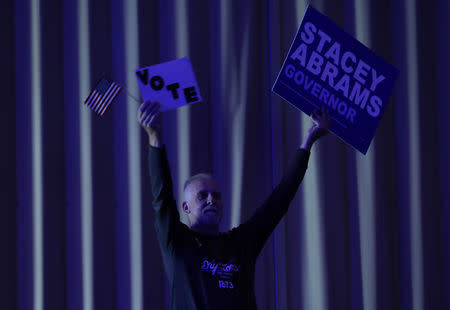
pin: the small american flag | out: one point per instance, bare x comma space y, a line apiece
102, 96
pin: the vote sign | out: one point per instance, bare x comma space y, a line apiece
327, 67
172, 84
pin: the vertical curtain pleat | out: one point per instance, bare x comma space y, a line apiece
24, 180
154, 290
8, 164
431, 208
106, 207
53, 163
442, 46
121, 159
74, 273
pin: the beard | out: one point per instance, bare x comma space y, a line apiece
211, 218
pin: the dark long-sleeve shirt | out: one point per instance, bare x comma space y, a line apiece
215, 272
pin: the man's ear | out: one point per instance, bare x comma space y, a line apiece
185, 207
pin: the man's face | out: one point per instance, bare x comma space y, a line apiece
203, 203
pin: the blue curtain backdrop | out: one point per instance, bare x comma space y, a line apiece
76, 223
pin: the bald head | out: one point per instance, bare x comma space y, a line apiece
196, 177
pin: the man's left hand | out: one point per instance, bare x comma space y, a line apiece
320, 128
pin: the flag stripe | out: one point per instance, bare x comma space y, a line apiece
89, 97
94, 98
105, 97
102, 98
112, 99
97, 98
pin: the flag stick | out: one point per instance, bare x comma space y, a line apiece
131, 96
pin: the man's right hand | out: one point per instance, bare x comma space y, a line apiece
149, 117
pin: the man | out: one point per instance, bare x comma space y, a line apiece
208, 269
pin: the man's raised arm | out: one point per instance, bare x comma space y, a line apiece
260, 226
167, 216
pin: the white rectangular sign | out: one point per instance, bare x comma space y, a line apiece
171, 83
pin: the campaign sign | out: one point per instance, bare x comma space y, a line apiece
327, 67
171, 83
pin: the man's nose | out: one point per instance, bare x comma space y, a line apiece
210, 199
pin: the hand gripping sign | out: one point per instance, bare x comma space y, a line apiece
327, 67
172, 84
